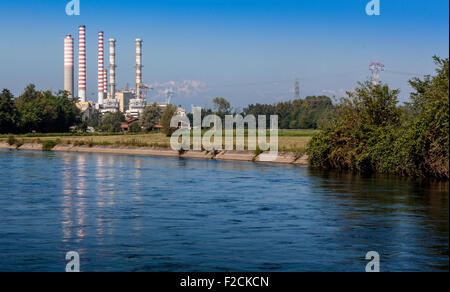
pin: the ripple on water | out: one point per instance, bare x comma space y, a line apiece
127, 213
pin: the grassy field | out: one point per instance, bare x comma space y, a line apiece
288, 140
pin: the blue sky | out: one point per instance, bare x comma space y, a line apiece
247, 51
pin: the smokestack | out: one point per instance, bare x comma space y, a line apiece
82, 63
101, 76
105, 83
68, 65
138, 67
112, 68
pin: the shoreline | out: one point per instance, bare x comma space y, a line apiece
243, 156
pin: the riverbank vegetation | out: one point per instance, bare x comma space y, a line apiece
37, 111
372, 133
289, 140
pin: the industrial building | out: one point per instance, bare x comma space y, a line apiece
124, 97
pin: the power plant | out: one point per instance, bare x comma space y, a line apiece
131, 102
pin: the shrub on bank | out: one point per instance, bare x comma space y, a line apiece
372, 133
11, 140
49, 145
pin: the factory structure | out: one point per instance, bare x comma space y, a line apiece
130, 102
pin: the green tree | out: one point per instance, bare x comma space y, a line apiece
44, 112
151, 116
222, 107
94, 120
424, 146
364, 118
112, 122
8, 113
135, 128
373, 134
166, 118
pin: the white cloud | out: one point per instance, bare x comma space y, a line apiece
183, 88
340, 92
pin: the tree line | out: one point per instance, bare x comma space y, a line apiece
312, 112
37, 111
45, 112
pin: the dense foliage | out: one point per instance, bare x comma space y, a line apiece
371, 133
112, 122
166, 118
38, 111
8, 113
309, 113
151, 116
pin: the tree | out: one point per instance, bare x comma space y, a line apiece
44, 112
356, 140
308, 113
94, 120
222, 107
8, 113
166, 118
372, 133
112, 122
426, 146
151, 116
135, 128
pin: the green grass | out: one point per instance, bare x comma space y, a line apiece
289, 140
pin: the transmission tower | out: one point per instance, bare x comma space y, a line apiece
297, 89
376, 69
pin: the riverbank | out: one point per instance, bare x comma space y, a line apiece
246, 156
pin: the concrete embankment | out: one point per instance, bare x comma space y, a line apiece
248, 156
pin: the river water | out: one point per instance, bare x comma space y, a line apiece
129, 213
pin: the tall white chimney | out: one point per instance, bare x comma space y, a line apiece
68, 65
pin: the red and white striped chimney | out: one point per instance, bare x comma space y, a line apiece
101, 76
112, 68
82, 63
68, 65
138, 67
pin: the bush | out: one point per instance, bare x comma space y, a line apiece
11, 140
111, 122
135, 128
49, 145
373, 134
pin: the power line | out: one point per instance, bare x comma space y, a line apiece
405, 73
285, 81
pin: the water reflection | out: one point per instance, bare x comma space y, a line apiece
393, 208
163, 214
